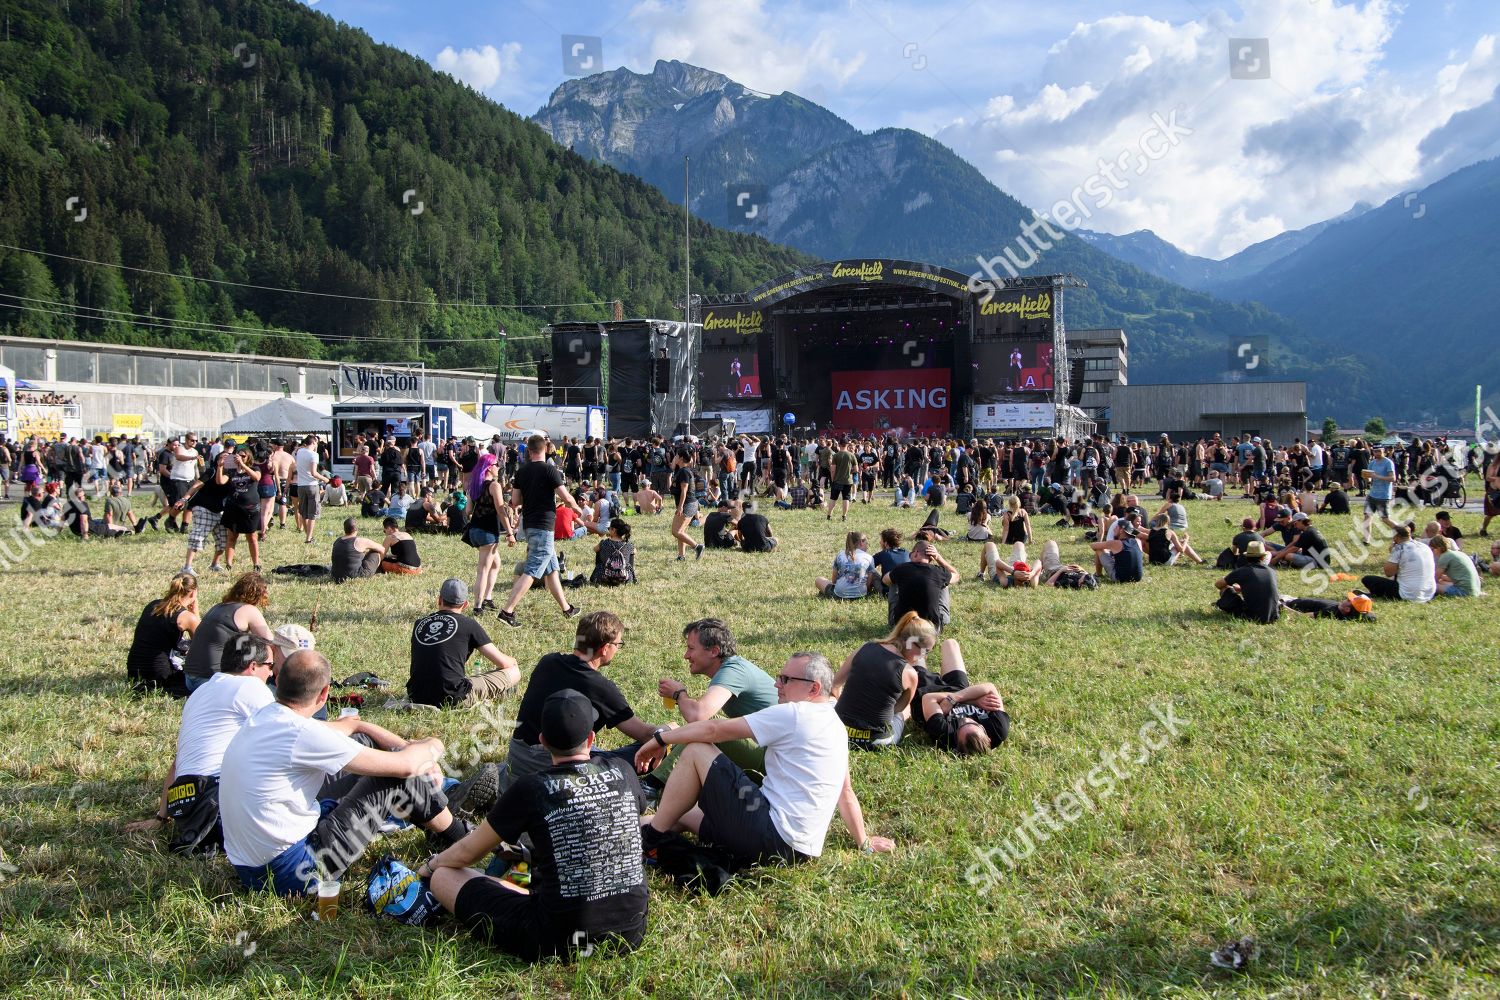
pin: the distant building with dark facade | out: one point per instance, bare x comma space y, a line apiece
1105, 367
1276, 410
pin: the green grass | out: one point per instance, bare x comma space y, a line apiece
1334, 795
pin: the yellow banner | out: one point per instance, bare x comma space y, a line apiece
127, 425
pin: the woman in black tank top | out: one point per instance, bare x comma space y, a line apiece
484, 531
400, 551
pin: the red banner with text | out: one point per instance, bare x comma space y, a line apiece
909, 400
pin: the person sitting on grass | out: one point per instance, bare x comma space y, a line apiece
906, 492
283, 762
581, 814
1307, 546
754, 531
210, 719
718, 526
441, 644
1355, 606
1250, 592
400, 551
354, 556
736, 687
337, 494
1456, 573
598, 640
158, 633
1119, 559
647, 500
876, 683
1410, 571
890, 556
957, 714
786, 816
979, 522
852, 568
922, 585
614, 559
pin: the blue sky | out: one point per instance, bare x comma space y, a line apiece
1351, 106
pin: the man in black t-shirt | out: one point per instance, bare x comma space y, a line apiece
957, 715
538, 486
1336, 502
1306, 548
441, 644
1250, 591
921, 585
754, 531
599, 638
582, 815
718, 527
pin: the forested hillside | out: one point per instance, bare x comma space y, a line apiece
259, 143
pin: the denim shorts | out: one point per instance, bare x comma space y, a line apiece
541, 554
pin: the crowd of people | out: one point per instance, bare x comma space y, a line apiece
754, 764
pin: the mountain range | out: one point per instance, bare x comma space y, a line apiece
818, 184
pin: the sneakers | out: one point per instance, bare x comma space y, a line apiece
215, 568
188, 571
487, 605
441, 840
572, 611
698, 551
508, 618
477, 793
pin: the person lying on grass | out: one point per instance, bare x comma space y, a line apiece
582, 815
785, 817
283, 762
958, 715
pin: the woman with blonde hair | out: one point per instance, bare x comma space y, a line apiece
158, 631
852, 570
878, 680
1015, 523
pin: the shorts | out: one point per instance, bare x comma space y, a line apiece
1374, 506
1492, 503
309, 502
778, 479
737, 817
516, 923
174, 489
690, 509
266, 490
541, 553
204, 523
840, 491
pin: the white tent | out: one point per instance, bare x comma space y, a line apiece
284, 416
466, 426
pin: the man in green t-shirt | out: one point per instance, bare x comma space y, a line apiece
842, 479
118, 518
736, 687
1457, 576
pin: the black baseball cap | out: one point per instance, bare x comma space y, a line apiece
567, 719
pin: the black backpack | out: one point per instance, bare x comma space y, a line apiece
616, 568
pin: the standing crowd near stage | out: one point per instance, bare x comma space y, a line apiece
546, 851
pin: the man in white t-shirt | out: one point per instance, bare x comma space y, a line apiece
1410, 573
211, 717
807, 775
309, 486
184, 460
282, 762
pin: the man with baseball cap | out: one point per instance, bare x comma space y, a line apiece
1355, 606
441, 644
1305, 546
582, 815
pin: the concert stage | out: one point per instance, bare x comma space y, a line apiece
855, 346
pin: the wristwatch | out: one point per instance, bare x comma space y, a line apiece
657, 736
677, 695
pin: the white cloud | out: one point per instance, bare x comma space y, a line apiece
1331, 127
480, 68
765, 51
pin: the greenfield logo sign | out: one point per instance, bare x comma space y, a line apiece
383, 382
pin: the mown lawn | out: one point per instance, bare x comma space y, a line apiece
1333, 794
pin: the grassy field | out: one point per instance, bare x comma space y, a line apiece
1332, 793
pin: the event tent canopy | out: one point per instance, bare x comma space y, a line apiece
467, 426
284, 416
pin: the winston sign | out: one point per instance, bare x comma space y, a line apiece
383, 381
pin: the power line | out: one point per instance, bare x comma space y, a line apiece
304, 291
71, 310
